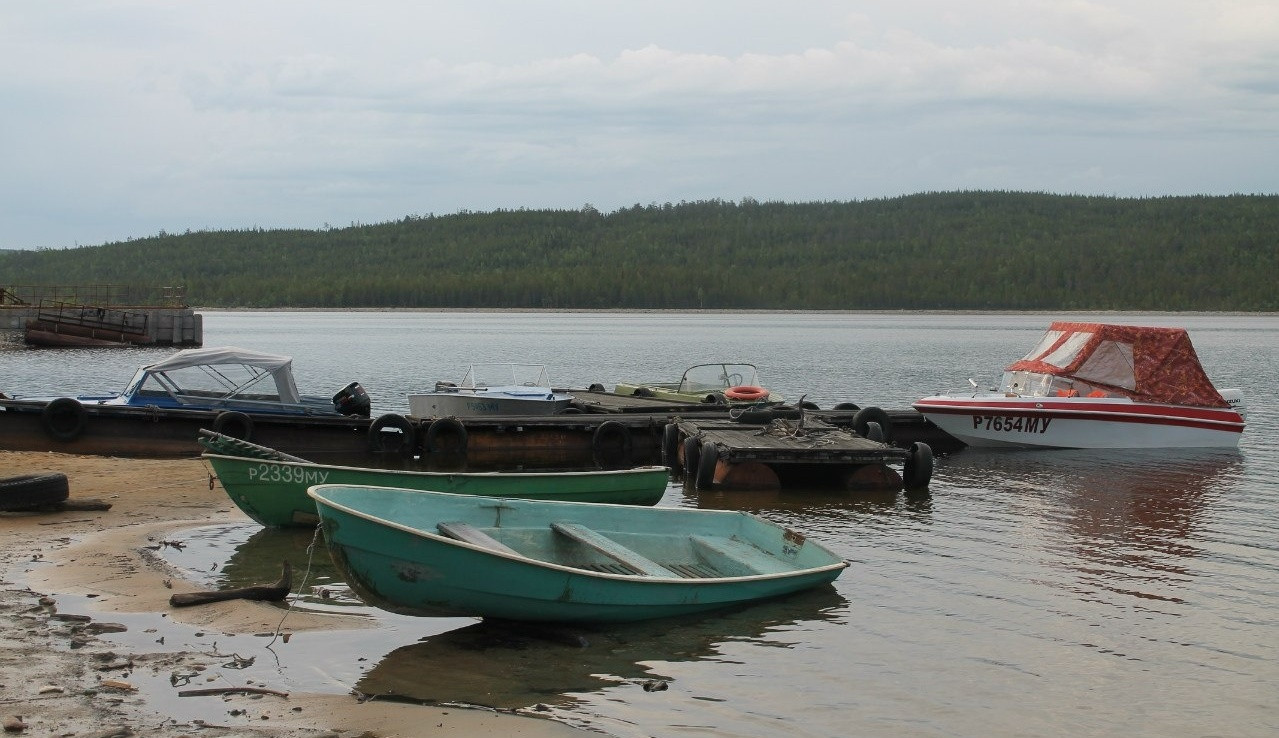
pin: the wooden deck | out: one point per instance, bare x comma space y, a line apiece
808, 451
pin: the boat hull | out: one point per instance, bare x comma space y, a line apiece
123, 430
394, 561
1117, 423
274, 493
469, 405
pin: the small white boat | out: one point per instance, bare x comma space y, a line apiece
1097, 385
493, 389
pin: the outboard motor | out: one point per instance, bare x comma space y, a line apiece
352, 400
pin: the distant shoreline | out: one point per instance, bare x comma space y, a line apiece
726, 311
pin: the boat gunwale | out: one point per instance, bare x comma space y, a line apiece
636, 471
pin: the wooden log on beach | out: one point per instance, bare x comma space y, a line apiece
264, 592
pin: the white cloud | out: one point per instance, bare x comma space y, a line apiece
140, 116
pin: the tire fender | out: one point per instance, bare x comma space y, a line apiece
379, 437
234, 424
441, 430
670, 445
917, 472
64, 418
706, 462
868, 415
611, 444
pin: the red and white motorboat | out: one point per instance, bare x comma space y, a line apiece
1097, 385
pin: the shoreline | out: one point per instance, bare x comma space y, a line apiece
61, 675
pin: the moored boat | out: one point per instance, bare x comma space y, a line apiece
439, 554
270, 487
231, 390
493, 389
716, 384
1097, 385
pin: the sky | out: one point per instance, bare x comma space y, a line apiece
123, 119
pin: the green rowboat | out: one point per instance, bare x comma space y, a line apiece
272, 491
438, 554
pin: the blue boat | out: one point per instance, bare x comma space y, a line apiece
225, 378
441, 554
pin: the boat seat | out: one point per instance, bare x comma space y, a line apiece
743, 554
468, 533
612, 549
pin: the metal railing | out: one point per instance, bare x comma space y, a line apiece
98, 295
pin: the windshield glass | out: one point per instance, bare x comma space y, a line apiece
506, 375
706, 377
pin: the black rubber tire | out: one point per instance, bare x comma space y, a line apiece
611, 444
32, 491
788, 412
706, 461
917, 472
847, 406
670, 445
596, 387
643, 392
807, 405
715, 398
234, 424
570, 410
64, 418
382, 442
691, 449
440, 431
873, 415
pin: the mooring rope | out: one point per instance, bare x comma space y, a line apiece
310, 557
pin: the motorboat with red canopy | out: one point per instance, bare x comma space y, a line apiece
1097, 385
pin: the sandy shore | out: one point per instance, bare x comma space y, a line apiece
59, 677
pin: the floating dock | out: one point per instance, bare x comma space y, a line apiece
805, 452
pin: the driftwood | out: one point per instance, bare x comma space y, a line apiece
79, 505
263, 592
231, 690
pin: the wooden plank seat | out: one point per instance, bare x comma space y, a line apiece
470, 534
612, 549
743, 554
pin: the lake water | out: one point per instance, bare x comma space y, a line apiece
1029, 593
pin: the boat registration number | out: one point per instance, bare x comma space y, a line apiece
279, 473
1001, 424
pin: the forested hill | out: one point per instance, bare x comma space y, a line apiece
963, 250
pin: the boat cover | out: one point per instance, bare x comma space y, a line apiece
280, 367
1146, 364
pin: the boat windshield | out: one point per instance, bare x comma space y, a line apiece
709, 377
506, 375
1035, 384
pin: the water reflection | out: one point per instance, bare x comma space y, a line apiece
1127, 523
509, 666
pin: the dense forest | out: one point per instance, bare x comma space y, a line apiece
957, 250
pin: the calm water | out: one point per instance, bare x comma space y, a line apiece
1031, 593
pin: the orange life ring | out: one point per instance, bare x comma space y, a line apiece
746, 392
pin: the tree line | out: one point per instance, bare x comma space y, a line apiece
932, 251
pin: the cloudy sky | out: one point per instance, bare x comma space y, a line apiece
123, 118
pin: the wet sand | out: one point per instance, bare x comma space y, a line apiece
58, 676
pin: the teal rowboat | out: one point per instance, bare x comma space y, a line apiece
273, 491
439, 554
